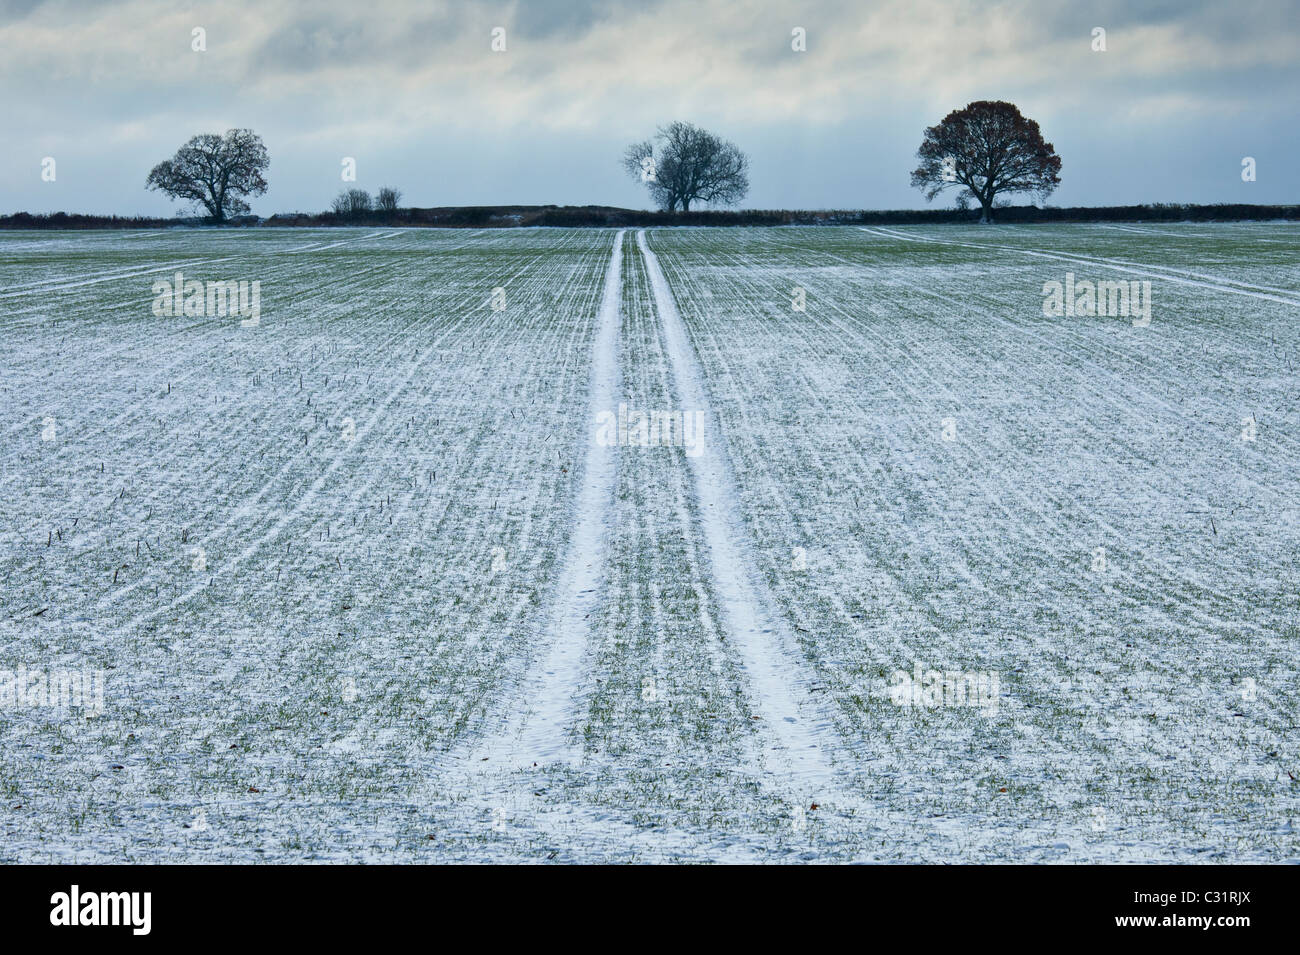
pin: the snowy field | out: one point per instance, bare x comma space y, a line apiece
694, 544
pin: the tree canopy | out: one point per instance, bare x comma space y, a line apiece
986, 149
689, 165
215, 172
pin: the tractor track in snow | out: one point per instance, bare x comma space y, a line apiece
778, 681
537, 731
1149, 271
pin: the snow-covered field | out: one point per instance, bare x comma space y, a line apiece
531, 545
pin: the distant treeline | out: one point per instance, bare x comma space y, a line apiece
63, 220
491, 217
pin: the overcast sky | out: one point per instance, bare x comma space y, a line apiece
414, 92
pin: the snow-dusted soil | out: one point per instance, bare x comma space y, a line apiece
364, 584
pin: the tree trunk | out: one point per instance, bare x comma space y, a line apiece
986, 212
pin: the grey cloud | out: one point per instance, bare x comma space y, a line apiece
413, 91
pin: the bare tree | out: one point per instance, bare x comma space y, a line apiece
986, 149
388, 199
215, 172
352, 203
690, 165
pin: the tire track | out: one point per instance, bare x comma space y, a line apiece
538, 732
779, 683
1150, 271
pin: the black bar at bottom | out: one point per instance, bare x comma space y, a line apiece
331, 904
